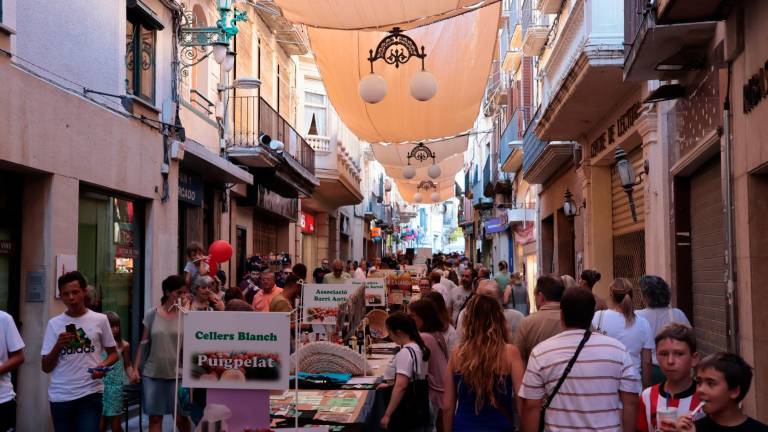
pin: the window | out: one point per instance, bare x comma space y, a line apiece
315, 113
140, 45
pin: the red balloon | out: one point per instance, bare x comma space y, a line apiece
220, 251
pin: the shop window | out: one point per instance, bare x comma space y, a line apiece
109, 240
140, 49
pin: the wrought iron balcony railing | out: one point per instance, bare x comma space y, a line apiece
252, 115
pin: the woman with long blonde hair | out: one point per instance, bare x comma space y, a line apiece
483, 374
621, 322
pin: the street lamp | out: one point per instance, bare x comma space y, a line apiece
396, 49
569, 206
627, 177
193, 40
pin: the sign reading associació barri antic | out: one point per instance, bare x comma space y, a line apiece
321, 301
236, 350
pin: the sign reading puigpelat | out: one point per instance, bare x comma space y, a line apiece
321, 301
236, 350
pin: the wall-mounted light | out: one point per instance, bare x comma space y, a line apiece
570, 208
627, 177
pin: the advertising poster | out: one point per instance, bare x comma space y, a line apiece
321, 301
236, 350
375, 292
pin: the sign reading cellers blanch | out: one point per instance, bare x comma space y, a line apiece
321, 301
236, 350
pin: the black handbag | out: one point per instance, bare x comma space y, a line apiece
413, 410
560, 382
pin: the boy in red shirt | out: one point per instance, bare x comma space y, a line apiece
676, 395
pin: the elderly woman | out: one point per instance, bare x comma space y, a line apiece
204, 298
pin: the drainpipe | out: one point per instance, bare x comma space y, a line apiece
730, 256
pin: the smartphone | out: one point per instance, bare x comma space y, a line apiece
72, 329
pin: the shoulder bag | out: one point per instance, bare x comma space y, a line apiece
413, 409
560, 382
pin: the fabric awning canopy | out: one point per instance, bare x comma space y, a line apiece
397, 154
373, 14
459, 53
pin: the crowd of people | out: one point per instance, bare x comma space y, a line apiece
477, 352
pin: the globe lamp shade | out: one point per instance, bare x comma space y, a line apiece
417, 197
434, 171
220, 52
372, 88
409, 172
277, 145
423, 86
229, 61
435, 197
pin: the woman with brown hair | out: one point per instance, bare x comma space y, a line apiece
449, 332
621, 322
484, 373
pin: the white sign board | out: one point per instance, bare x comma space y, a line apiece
236, 350
417, 270
375, 292
321, 301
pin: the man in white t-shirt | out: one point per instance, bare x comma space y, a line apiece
72, 354
11, 357
460, 294
436, 285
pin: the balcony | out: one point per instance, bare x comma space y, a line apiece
320, 144
550, 6
687, 11
339, 175
542, 159
510, 55
291, 172
291, 37
534, 29
511, 143
584, 67
666, 52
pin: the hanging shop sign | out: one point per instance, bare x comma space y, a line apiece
190, 188
236, 350
494, 225
307, 223
321, 301
264, 198
616, 130
375, 232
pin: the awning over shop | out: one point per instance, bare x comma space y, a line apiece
214, 167
459, 52
373, 14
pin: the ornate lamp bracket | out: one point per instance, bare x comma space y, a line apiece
421, 152
194, 40
396, 49
426, 185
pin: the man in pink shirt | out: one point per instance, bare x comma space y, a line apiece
267, 292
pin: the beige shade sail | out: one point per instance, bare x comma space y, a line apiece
448, 169
373, 14
459, 53
397, 154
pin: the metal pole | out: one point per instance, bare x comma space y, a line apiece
730, 258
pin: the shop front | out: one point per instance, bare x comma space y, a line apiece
617, 162
110, 237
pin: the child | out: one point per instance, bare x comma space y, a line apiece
113, 381
676, 395
195, 256
723, 380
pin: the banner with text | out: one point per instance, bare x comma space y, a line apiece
236, 350
321, 301
375, 292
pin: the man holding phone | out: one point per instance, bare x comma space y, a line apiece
72, 348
